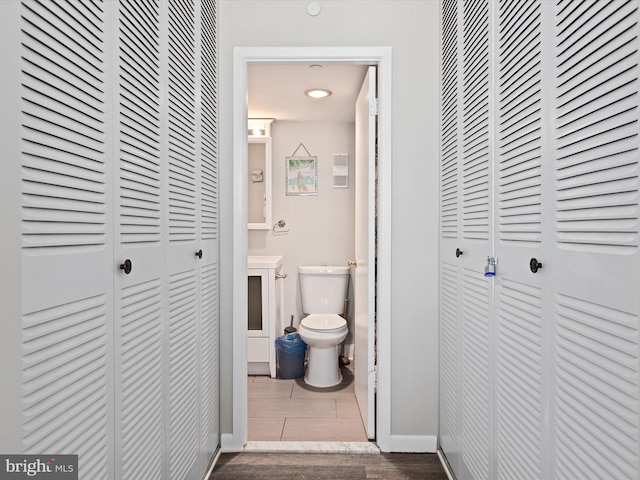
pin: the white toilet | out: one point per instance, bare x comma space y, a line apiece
323, 291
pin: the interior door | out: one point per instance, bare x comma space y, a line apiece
184, 251
209, 243
364, 269
522, 314
66, 230
451, 254
139, 203
594, 260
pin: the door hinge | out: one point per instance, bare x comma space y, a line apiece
373, 107
373, 376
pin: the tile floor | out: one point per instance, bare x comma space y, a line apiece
289, 410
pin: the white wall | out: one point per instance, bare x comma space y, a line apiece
320, 226
411, 28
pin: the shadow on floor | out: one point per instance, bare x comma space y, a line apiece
347, 379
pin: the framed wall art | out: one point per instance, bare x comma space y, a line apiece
301, 175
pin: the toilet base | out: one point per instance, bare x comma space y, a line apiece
323, 369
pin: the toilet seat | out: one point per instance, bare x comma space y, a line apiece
323, 322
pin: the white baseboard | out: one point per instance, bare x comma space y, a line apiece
229, 443
413, 443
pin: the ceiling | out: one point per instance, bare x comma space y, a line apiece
277, 91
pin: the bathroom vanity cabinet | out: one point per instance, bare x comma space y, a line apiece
264, 312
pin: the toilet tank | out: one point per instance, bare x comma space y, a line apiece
323, 288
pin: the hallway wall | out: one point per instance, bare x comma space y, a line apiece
411, 28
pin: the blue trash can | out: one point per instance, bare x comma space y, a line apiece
291, 349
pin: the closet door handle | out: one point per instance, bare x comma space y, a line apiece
126, 266
534, 265
199, 254
458, 252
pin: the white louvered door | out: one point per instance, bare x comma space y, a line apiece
181, 132
66, 231
521, 308
450, 238
209, 418
595, 258
116, 108
561, 341
466, 238
475, 290
139, 232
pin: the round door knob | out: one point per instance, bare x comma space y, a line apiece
199, 254
458, 252
534, 265
126, 266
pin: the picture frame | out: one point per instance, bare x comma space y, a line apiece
301, 175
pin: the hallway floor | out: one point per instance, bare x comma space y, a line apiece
290, 410
315, 466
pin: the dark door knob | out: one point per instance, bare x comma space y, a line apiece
199, 253
126, 266
534, 265
458, 252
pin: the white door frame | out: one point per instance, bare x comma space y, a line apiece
242, 56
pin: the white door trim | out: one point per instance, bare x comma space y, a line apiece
242, 56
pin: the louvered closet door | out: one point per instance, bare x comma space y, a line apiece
466, 238
139, 232
209, 420
474, 288
182, 157
521, 308
595, 260
450, 235
67, 243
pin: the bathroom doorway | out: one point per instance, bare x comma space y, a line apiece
245, 57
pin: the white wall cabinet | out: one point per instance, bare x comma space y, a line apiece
117, 153
540, 368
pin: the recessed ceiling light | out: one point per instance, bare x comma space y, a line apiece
317, 93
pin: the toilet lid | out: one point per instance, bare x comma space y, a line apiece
323, 322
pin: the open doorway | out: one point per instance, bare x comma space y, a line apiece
361, 56
319, 220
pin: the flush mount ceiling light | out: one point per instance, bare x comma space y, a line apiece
317, 93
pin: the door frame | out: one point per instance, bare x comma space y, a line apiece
242, 56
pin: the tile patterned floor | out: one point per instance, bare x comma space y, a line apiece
289, 410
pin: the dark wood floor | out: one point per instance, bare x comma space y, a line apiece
318, 466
